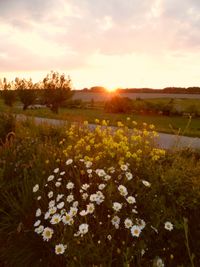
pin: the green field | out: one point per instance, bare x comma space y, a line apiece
166, 124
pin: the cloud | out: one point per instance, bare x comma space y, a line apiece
37, 35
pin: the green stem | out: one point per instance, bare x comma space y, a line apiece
191, 255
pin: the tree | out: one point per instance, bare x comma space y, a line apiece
8, 94
57, 90
26, 92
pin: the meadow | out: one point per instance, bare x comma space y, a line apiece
75, 197
175, 124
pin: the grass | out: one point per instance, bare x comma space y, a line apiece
166, 124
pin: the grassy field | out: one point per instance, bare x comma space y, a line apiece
175, 124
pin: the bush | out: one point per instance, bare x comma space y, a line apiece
76, 103
119, 105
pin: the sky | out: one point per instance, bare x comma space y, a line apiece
110, 43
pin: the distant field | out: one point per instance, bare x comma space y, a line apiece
163, 123
85, 96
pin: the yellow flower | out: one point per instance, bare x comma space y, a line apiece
120, 124
104, 123
128, 154
87, 148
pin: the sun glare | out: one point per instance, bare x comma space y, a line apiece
111, 89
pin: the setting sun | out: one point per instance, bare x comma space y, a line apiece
111, 90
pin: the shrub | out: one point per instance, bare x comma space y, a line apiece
76, 103
119, 105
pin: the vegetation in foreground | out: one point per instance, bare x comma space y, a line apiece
76, 197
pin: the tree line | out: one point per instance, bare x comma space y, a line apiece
53, 91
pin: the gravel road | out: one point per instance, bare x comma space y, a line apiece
166, 141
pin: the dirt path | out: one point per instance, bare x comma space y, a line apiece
164, 140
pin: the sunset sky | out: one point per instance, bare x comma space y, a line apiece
112, 43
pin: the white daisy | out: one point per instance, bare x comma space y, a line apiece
52, 203
117, 206
124, 167
56, 170
37, 223
135, 230
88, 164
101, 186
84, 196
69, 161
70, 198
47, 233
93, 197
169, 226
115, 221
122, 190
38, 212
146, 183
75, 204
58, 184
159, 262
67, 219
85, 186
129, 176
59, 197
52, 210
35, 188
128, 223
73, 211
60, 249
70, 185
83, 228
50, 194
39, 229
56, 218
131, 200
109, 237
46, 215
50, 178
61, 205
90, 208
141, 223
83, 212
100, 172
107, 177
62, 173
